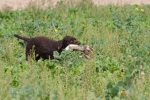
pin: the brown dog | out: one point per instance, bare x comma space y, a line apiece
44, 47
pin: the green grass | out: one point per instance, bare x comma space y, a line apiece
119, 35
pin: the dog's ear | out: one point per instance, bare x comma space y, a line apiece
59, 45
65, 43
65, 40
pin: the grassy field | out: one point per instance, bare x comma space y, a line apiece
119, 67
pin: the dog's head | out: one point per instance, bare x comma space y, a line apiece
62, 44
69, 40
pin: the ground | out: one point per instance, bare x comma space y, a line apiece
20, 4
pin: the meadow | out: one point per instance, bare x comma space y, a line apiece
119, 67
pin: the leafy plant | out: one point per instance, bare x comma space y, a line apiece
69, 58
112, 90
119, 63
105, 63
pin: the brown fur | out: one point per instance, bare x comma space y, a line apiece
44, 47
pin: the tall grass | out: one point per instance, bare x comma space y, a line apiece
120, 61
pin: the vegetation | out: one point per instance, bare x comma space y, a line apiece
118, 68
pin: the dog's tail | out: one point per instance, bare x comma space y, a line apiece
21, 37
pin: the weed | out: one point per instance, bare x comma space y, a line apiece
118, 68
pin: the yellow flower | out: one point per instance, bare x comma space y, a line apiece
142, 10
56, 30
137, 9
138, 4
